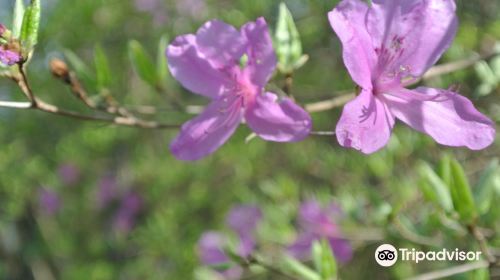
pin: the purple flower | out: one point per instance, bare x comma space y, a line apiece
126, 215
192, 8
243, 219
318, 223
48, 201
386, 45
208, 63
108, 190
69, 173
9, 57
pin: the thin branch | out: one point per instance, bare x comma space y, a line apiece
483, 244
15, 105
322, 133
24, 85
39, 104
329, 104
443, 273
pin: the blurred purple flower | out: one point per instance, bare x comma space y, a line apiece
192, 8
48, 201
318, 223
126, 215
69, 173
108, 190
9, 57
153, 7
2, 29
243, 219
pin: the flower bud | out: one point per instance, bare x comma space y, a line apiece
59, 68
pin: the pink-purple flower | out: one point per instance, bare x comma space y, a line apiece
9, 57
243, 220
386, 45
318, 223
208, 63
49, 201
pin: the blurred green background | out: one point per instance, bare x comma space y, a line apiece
65, 184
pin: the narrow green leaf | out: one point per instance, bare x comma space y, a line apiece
484, 192
434, 188
495, 66
317, 255
300, 269
461, 193
444, 170
29, 29
81, 69
142, 63
161, 61
287, 41
485, 73
328, 262
17, 19
102, 68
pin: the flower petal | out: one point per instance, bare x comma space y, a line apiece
342, 249
281, 122
411, 35
243, 218
220, 43
449, 118
261, 57
210, 248
365, 124
348, 21
206, 133
301, 248
193, 70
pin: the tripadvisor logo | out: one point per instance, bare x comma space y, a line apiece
387, 255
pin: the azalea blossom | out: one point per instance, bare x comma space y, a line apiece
208, 63
319, 223
243, 220
385, 46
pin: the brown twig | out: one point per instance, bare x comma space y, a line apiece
39, 104
483, 244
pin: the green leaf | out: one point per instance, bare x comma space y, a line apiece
328, 262
444, 169
142, 63
300, 269
81, 69
461, 193
484, 192
29, 28
102, 68
287, 42
434, 188
317, 255
17, 19
161, 61
324, 260
485, 73
495, 66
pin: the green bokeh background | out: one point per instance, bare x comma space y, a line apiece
182, 200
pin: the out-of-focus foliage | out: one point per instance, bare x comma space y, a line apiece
93, 201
